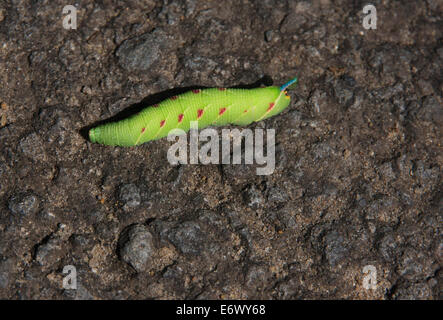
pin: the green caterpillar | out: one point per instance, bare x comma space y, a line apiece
215, 106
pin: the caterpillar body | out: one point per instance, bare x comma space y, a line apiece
215, 106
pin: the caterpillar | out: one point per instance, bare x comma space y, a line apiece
214, 106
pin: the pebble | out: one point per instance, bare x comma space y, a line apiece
23, 204
129, 195
188, 237
335, 248
47, 252
141, 53
136, 246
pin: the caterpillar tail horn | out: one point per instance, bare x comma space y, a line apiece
289, 85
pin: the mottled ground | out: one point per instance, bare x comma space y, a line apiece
358, 179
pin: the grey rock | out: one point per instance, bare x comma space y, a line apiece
257, 277
141, 53
202, 67
32, 146
344, 92
385, 93
287, 218
335, 248
389, 248
281, 157
268, 35
322, 150
173, 272
49, 251
289, 289
413, 291
137, 247
277, 196
23, 204
416, 265
431, 111
426, 174
319, 101
96, 216
81, 241
383, 208
191, 6
253, 197
293, 23
129, 195
210, 218
348, 80
6, 266
188, 237
235, 220
172, 13
387, 171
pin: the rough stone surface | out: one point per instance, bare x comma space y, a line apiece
49, 251
6, 269
140, 53
23, 204
358, 170
129, 195
187, 237
136, 246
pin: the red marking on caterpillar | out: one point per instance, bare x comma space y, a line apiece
180, 117
222, 110
162, 123
143, 130
196, 91
155, 105
245, 111
199, 113
174, 97
222, 89
271, 105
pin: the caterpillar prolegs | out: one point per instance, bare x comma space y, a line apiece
215, 106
